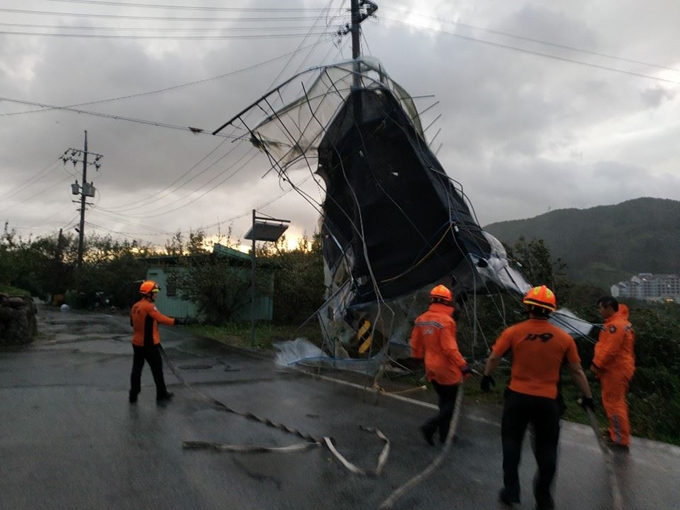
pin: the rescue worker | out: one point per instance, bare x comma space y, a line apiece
539, 349
614, 365
144, 318
434, 339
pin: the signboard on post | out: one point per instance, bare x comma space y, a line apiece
263, 229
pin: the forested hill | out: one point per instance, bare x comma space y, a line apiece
606, 244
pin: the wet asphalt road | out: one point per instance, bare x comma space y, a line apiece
70, 440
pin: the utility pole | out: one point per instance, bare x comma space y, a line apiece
85, 191
356, 30
357, 17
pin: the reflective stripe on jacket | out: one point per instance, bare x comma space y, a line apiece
144, 317
434, 338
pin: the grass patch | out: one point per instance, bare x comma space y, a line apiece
13, 291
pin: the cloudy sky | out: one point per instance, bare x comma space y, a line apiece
544, 105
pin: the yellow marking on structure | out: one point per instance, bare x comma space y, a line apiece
361, 335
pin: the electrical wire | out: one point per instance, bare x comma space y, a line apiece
156, 29
202, 194
48, 188
31, 180
180, 86
170, 189
192, 8
190, 129
161, 37
533, 52
211, 19
529, 39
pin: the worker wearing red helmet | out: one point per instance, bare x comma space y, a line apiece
614, 365
434, 339
539, 349
144, 318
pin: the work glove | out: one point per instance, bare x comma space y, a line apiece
587, 403
180, 321
487, 383
466, 371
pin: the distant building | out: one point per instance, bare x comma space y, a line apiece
169, 300
649, 287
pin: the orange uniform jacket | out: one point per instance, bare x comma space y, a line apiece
144, 317
614, 349
538, 352
434, 338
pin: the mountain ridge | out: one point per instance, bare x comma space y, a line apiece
605, 244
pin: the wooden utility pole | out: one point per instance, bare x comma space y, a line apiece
85, 191
81, 232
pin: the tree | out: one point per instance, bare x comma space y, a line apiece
299, 279
218, 286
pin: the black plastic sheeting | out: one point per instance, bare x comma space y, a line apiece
390, 201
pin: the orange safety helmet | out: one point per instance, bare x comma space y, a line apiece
149, 287
441, 293
542, 297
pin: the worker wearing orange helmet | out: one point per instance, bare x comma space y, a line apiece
144, 318
614, 365
434, 339
539, 349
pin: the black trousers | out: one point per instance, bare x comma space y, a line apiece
152, 355
543, 414
447, 401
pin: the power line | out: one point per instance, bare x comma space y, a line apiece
162, 37
124, 234
121, 219
202, 194
193, 130
193, 8
48, 188
154, 29
167, 190
211, 19
529, 39
174, 87
31, 180
535, 53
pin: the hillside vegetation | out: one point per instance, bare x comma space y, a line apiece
606, 244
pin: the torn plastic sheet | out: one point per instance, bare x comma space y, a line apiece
303, 352
393, 222
568, 321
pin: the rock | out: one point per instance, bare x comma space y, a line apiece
18, 324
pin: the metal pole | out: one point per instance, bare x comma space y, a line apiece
356, 34
252, 289
82, 206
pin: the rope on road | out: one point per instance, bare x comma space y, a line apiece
311, 441
617, 500
399, 492
247, 448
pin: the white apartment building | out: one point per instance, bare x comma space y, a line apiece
649, 286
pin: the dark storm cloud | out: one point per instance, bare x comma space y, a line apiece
521, 132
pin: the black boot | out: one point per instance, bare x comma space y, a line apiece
164, 397
427, 434
507, 499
